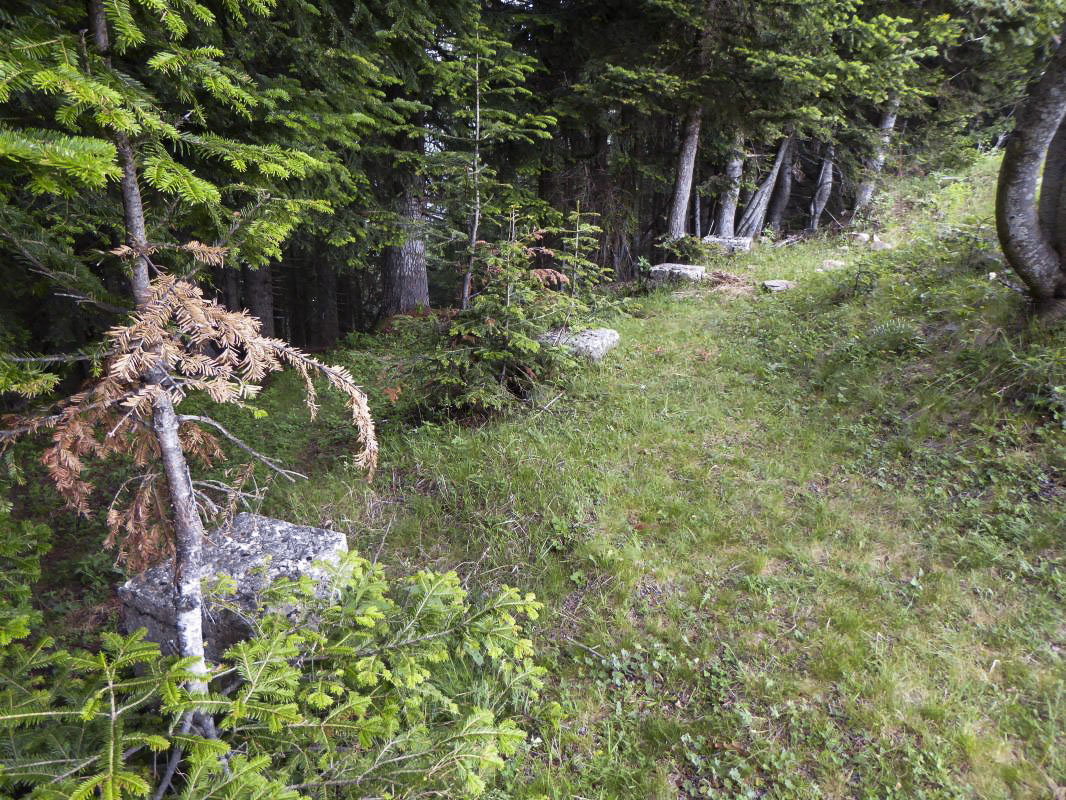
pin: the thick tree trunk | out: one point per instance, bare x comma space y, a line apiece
231, 288
782, 192
188, 527
822, 189
754, 216
1052, 206
1024, 233
865, 193
406, 283
727, 205
259, 289
325, 326
686, 166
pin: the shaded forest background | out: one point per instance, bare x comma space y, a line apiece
468, 175
350, 156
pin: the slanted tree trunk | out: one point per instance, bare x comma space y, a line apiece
686, 167
865, 193
188, 527
782, 192
754, 216
727, 206
822, 189
406, 280
1028, 234
259, 291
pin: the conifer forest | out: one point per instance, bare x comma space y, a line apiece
532, 399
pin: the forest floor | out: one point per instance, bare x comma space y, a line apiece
806, 544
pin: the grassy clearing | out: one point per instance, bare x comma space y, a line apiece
800, 545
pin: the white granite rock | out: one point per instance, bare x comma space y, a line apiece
255, 551
777, 286
731, 244
662, 273
592, 344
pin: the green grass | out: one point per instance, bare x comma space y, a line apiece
791, 546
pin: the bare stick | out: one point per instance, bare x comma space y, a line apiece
288, 474
173, 761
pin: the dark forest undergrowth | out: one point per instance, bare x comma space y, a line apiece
796, 545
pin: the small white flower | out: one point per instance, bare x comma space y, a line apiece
991, 276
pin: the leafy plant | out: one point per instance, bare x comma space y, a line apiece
375, 687
496, 350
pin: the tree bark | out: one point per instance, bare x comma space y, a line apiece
259, 290
325, 326
754, 216
1024, 232
686, 167
782, 192
697, 213
823, 188
188, 527
874, 165
727, 206
1052, 203
231, 289
468, 277
406, 280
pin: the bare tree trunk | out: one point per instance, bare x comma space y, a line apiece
1024, 232
406, 280
686, 164
823, 188
751, 221
727, 206
782, 192
697, 215
865, 192
259, 289
188, 527
476, 221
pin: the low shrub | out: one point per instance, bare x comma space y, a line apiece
383, 688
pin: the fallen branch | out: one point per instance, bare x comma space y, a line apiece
288, 474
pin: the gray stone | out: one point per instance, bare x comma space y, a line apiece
832, 263
731, 244
255, 551
861, 238
662, 273
777, 286
878, 244
592, 344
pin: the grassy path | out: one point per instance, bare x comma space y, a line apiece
764, 577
